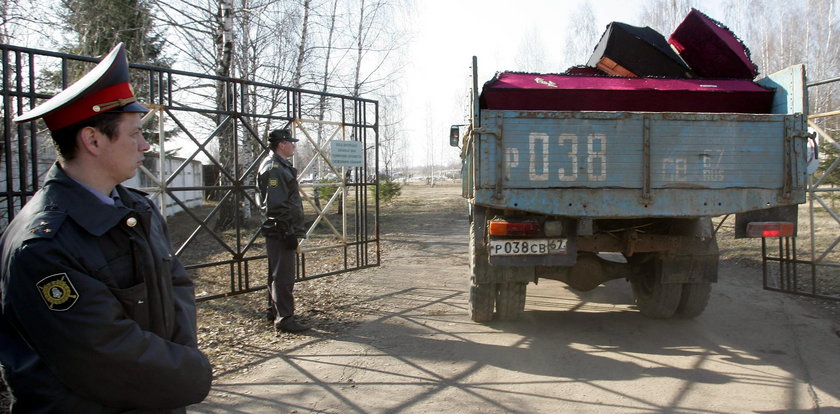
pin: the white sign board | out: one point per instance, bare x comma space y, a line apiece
346, 154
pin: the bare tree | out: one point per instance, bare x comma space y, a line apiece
431, 131
774, 47
303, 45
325, 77
665, 15
530, 55
329, 45
585, 34
29, 22
10, 19
223, 34
390, 120
821, 37
375, 40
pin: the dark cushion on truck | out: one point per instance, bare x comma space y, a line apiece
554, 92
626, 50
584, 70
711, 49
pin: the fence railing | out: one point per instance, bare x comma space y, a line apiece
809, 263
222, 123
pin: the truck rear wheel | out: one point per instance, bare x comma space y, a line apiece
482, 295
510, 302
482, 300
694, 298
654, 298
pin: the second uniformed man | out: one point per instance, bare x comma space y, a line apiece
283, 211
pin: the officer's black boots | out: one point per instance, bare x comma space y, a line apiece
290, 324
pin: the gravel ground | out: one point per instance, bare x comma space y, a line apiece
326, 303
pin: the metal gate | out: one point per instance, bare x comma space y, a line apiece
210, 205
808, 264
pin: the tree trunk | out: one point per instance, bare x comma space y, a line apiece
322, 106
224, 99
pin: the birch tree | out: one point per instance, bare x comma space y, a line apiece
390, 119
325, 78
774, 47
665, 15
375, 41
585, 34
329, 45
13, 18
530, 55
303, 45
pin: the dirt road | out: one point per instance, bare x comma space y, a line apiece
416, 350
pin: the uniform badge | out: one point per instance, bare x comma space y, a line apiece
58, 292
273, 182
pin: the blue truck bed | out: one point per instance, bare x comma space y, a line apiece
621, 164
641, 164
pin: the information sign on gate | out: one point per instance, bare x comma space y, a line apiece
346, 154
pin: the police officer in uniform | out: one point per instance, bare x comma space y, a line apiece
283, 210
97, 315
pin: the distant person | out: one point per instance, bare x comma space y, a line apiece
283, 210
97, 315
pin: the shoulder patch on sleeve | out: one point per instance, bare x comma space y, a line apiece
58, 292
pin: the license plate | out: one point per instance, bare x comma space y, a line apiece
527, 247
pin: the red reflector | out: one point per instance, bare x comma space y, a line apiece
770, 229
506, 228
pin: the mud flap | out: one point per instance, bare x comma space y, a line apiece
688, 269
509, 274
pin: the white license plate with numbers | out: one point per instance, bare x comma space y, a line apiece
527, 247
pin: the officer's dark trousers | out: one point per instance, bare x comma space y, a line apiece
281, 276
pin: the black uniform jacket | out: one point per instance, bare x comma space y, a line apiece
279, 197
97, 315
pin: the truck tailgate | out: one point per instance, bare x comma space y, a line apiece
624, 164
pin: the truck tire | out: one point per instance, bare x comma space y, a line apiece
482, 295
694, 298
482, 300
510, 302
654, 298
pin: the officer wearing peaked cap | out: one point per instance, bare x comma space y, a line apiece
96, 314
283, 210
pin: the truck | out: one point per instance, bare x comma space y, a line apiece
586, 197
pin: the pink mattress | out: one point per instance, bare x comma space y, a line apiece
553, 92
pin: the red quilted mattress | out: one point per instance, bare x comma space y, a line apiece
711, 49
554, 92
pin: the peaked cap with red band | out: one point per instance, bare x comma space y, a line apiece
104, 89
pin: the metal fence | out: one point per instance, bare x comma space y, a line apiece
808, 264
221, 122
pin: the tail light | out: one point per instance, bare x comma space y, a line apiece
770, 229
502, 227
